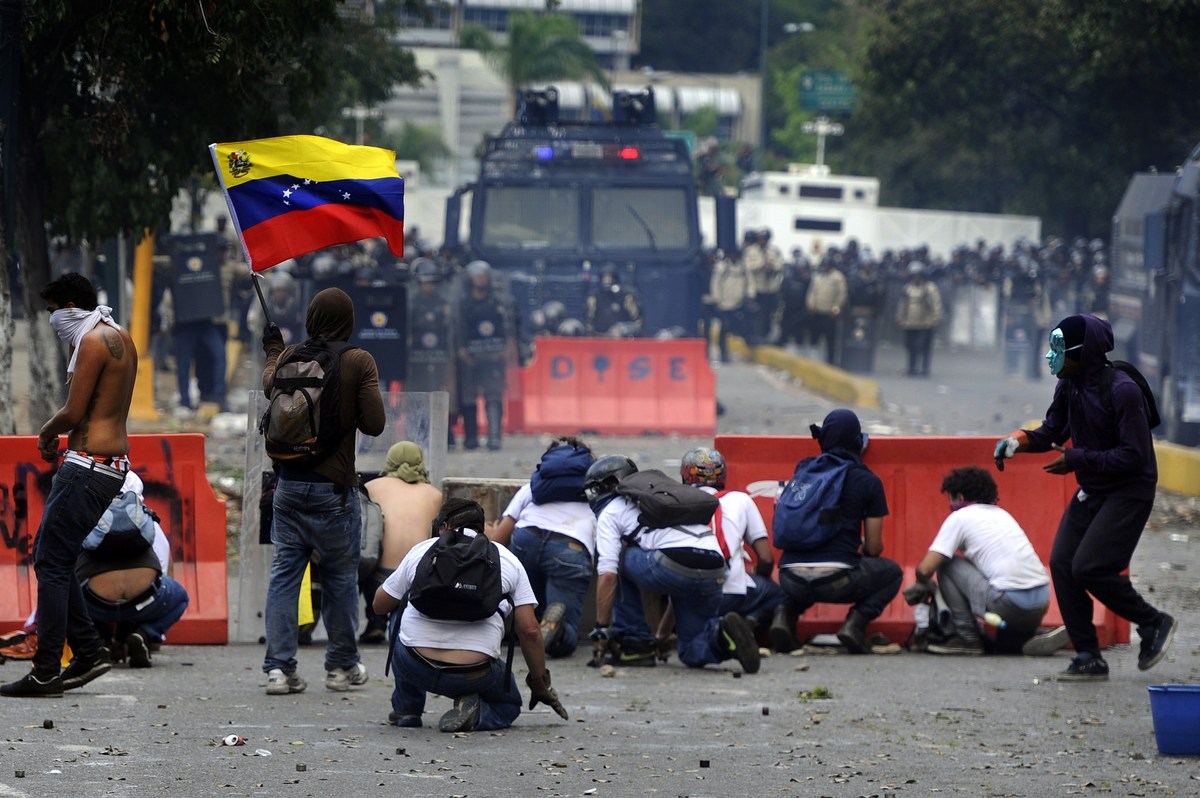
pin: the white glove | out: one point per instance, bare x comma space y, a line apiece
1005, 449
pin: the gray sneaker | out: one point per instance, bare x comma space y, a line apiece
464, 717
340, 680
1046, 643
280, 683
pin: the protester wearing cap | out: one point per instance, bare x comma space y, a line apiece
849, 567
409, 504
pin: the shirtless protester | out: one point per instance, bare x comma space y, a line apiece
100, 377
409, 503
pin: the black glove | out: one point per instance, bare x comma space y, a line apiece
918, 593
540, 691
271, 336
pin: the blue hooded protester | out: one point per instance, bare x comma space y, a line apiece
1106, 416
836, 559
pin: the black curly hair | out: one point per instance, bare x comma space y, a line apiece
459, 514
972, 483
74, 288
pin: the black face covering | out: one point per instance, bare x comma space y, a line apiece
1073, 329
840, 430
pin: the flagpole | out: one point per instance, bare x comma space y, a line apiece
255, 277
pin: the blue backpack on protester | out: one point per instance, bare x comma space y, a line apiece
559, 475
807, 511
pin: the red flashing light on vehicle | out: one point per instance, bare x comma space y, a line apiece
628, 153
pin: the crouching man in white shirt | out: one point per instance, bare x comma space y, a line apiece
461, 659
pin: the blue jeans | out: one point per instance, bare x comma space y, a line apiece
560, 571
154, 619
869, 587
500, 701
190, 337
695, 600
758, 603
313, 517
78, 497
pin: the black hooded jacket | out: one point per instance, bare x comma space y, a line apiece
1111, 452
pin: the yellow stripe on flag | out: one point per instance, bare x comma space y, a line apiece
312, 157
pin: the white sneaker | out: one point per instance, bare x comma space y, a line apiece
280, 683
340, 679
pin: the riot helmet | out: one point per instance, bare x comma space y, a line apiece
703, 466
600, 481
477, 268
426, 271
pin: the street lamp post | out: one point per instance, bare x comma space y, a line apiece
762, 84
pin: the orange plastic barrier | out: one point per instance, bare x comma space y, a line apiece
912, 470
619, 387
176, 487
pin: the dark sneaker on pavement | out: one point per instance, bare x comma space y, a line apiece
464, 717
629, 652
404, 721
553, 628
83, 670
956, 646
1046, 643
138, 650
736, 639
32, 686
1085, 668
1155, 641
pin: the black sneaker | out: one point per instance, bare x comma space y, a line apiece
1155, 641
629, 652
1085, 668
83, 670
32, 686
139, 650
464, 717
735, 639
404, 721
956, 646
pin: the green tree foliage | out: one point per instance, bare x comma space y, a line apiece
539, 48
119, 101
420, 143
1042, 107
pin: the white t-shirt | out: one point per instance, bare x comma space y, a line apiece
573, 519
482, 636
741, 523
621, 517
995, 543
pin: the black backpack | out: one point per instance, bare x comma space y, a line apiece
458, 578
1106, 389
807, 510
665, 503
302, 425
559, 475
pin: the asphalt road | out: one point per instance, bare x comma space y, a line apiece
905, 724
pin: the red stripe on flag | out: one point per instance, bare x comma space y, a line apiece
297, 233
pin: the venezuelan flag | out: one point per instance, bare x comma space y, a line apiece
295, 194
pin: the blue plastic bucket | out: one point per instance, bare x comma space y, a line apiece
1176, 712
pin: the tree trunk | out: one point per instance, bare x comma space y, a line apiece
8, 332
47, 366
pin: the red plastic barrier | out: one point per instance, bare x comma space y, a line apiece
912, 470
619, 387
176, 487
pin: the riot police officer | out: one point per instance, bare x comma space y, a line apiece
613, 310
487, 340
431, 335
